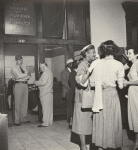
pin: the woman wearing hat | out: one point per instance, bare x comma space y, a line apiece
107, 123
82, 121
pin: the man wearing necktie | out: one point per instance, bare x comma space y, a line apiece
21, 76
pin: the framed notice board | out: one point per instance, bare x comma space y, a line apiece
20, 18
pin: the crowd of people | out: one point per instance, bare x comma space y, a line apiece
93, 89
96, 88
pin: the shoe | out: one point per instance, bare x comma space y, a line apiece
17, 124
70, 126
41, 126
25, 122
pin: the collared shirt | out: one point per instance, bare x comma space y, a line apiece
18, 75
45, 83
69, 69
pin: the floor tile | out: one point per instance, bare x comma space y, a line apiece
33, 146
55, 137
26, 142
14, 142
16, 148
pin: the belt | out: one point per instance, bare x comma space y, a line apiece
108, 88
25, 82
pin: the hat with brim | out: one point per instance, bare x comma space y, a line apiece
69, 61
85, 47
18, 57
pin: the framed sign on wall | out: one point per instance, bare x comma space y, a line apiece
20, 17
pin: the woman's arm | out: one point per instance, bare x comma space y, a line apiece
85, 77
130, 82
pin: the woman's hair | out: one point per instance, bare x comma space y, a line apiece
89, 47
75, 64
134, 48
108, 48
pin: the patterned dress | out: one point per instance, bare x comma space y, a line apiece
133, 98
107, 124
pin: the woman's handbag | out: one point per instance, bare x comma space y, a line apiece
87, 98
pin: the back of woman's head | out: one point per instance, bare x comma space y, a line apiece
108, 48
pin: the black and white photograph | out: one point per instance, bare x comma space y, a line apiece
68, 75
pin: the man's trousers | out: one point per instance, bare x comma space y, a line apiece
20, 102
47, 108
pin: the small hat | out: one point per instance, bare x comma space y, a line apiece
85, 47
18, 57
69, 61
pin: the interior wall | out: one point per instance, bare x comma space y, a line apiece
107, 22
48, 61
135, 35
77, 55
56, 65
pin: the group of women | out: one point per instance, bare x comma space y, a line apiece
101, 78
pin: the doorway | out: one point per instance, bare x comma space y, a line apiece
55, 57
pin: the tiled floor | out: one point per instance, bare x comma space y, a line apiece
55, 137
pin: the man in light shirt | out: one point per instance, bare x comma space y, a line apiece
21, 76
45, 85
